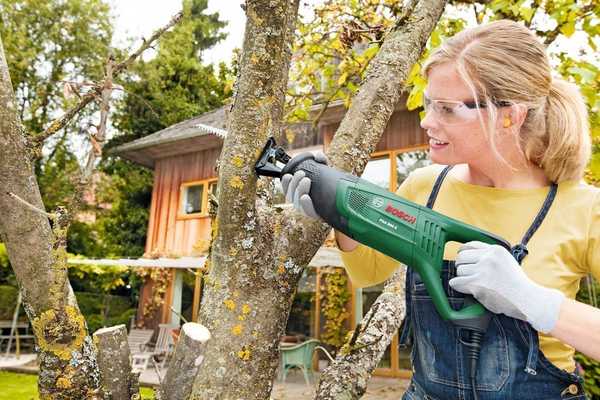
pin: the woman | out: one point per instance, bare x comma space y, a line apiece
515, 141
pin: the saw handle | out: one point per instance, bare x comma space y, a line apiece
456, 233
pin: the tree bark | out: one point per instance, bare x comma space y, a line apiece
185, 362
347, 377
68, 367
258, 254
114, 362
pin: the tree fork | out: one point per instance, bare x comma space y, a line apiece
68, 367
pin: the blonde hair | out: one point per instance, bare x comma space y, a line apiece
504, 62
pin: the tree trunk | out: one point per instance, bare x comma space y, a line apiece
247, 294
347, 377
114, 362
185, 362
68, 368
258, 254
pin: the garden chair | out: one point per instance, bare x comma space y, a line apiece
138, 340
164, 344
298, 356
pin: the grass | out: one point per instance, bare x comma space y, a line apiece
24, 387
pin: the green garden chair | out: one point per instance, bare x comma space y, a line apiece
298, 356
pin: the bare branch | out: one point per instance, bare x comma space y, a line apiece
96, 92
30, 206
61, 122
98, 139
147, 43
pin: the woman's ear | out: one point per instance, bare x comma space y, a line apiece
513, 117
518, 113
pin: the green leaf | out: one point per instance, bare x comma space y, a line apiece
526, 13
435, 39
568, 29
371, 51
415, 99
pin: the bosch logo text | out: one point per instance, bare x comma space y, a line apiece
400, 214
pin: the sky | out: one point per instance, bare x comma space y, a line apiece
139, 18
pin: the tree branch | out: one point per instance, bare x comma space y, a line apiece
365, 121
347, 376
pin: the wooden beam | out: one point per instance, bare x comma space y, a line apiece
197, 295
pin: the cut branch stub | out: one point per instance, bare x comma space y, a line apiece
185, 362
114, 362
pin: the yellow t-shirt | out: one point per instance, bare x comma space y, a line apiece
564, 249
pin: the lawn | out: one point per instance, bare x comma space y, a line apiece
24, 387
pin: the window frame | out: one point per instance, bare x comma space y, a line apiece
393, 161
204, 201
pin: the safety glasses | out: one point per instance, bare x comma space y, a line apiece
455, 112
452, 112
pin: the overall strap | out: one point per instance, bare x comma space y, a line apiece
519, 251
437, 185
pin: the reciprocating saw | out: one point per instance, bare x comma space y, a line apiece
412, 234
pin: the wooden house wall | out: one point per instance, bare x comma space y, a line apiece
402, 131
166, 233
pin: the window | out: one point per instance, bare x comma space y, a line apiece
192, 202
408, 161
378, 171
389, 169
194, 198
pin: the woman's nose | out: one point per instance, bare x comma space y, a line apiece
429, 121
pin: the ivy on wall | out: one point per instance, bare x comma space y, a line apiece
160, 278
336, 295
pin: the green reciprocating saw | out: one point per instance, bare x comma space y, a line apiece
412, 234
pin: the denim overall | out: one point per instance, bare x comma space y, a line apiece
511, 366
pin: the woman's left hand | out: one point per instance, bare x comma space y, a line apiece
492, 275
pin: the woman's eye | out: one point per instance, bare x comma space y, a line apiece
446, 109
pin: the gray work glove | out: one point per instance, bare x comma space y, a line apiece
492, 275
297, 187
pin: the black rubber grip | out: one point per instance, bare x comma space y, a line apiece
323, 187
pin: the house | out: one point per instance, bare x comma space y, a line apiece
183, 157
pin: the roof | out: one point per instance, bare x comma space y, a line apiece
325, 256
195, 134
207, 131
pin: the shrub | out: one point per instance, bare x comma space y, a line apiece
591, 374
8, 299
104, 310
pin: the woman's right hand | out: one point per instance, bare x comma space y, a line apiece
296, 189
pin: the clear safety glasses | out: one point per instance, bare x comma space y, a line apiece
454, 112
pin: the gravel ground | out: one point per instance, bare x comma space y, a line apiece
378, 388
